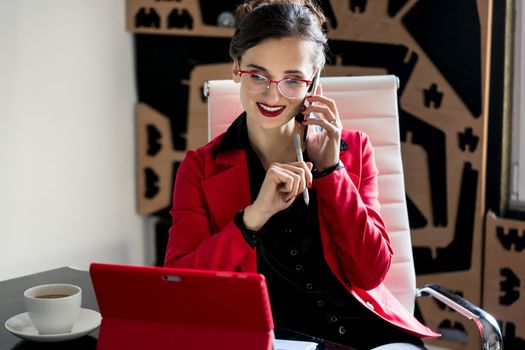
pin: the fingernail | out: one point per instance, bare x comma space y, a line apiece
309, 185
303, 108
309, 96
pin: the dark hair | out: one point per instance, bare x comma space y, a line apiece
258, 20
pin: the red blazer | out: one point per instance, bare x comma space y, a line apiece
210, 188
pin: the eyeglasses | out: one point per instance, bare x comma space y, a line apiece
290, 87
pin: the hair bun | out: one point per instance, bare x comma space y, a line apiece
314, 8
244, 9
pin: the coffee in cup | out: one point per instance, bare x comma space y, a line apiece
53, 308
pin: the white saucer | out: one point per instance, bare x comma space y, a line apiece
21, 326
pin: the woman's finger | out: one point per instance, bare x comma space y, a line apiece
280, 178
331, 126
321, 110
320, 99
303, 169
287, 181
317, 99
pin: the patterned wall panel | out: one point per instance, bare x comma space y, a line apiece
503, 290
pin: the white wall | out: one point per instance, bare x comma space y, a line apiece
67, 185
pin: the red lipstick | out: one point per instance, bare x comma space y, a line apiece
272, 113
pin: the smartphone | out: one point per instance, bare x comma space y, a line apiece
315, 82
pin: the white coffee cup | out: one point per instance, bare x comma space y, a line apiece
53, 308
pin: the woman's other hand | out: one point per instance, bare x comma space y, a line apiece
323, 146
281, 185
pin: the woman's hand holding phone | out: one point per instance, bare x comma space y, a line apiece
323, 144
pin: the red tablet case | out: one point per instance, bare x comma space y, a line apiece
165, 308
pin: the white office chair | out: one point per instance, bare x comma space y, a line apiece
369, 104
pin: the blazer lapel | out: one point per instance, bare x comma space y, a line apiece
228, 190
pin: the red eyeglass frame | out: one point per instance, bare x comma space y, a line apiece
241, 72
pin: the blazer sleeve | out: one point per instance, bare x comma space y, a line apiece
191, 243
350, 211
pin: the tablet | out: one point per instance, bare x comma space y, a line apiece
167, 308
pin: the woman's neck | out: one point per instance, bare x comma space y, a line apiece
273, 145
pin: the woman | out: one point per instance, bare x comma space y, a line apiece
238, 202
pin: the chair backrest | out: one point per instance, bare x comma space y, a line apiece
368, 104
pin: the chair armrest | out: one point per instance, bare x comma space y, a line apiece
488, 327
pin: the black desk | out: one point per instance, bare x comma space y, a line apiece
12, 303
